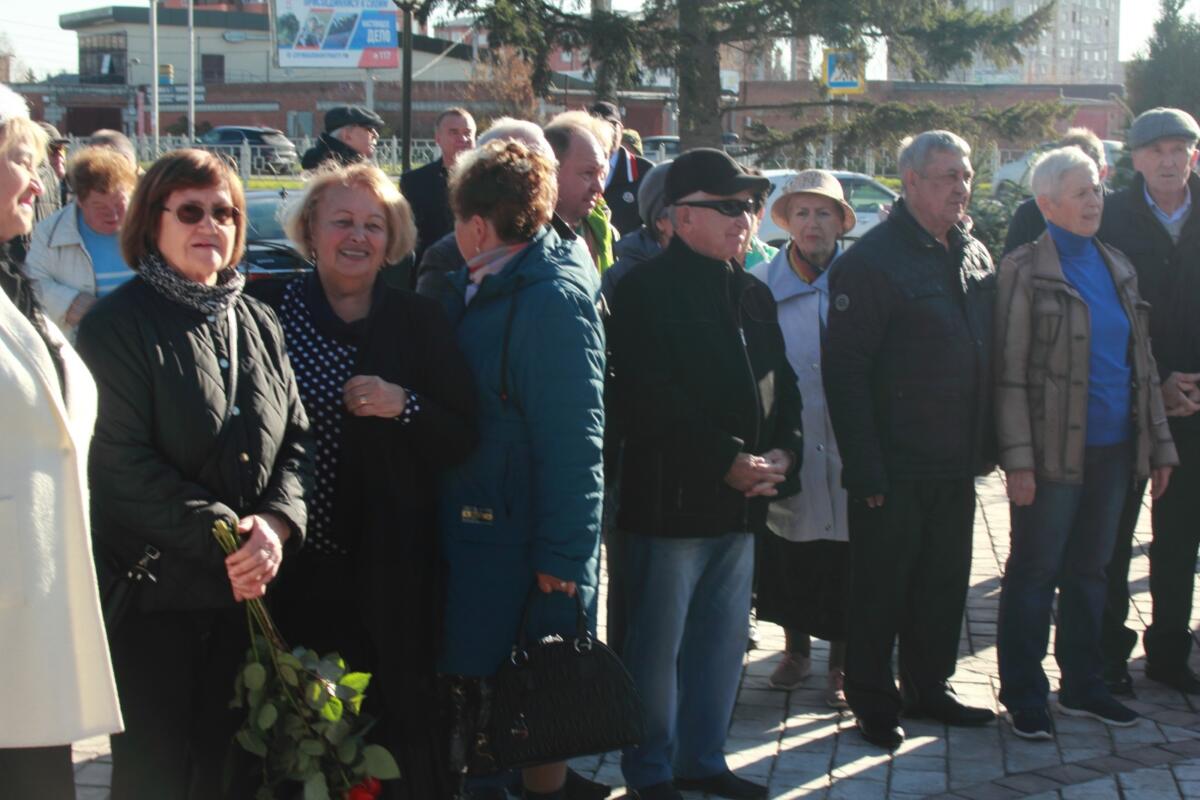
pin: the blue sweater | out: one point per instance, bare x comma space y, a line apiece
1109, 414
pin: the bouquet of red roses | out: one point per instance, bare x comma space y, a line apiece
303, 713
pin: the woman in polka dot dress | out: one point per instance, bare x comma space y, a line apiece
392, 402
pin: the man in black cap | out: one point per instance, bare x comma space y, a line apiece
625, 172
711, 418
350, 136
1155, 223
425, 187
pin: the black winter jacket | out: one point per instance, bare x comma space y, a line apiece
907, 360
425, 189
621, 193
161, 470
699, 374
329, 148
1168, 277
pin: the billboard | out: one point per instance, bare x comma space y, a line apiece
336, 33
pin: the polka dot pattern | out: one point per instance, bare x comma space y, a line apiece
322, 366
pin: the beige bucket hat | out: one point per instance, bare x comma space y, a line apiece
813, 181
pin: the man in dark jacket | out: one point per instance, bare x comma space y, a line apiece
350, 136
1027, 223
625, 172
1154, 223
909, 385
425, 187
711, 417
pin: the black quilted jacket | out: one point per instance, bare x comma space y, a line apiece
161, 470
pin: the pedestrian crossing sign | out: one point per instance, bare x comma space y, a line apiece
845, 72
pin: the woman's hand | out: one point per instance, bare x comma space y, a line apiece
1159, 478
1021, 487
549, 583
256, 562
372, 396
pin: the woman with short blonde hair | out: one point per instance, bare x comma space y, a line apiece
56, 683
75, 257
392, 404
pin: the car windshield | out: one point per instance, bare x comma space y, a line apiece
866, 197
276, 139
211, 137
262, 222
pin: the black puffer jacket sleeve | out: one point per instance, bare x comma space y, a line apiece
133, 486
860, 309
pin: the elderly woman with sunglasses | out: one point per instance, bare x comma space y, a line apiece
200, 422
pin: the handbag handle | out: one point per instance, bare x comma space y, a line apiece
583, 638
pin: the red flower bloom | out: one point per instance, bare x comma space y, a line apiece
369, 789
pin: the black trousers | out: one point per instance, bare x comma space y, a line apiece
910, 565
1176, 518
1116, 639
175, 674
42, 772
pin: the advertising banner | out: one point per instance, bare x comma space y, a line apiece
337, 33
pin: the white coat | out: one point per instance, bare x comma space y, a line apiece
819, 510
59, 265
56, 678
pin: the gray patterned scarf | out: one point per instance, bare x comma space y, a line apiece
203, 298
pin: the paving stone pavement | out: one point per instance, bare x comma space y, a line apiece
800, 748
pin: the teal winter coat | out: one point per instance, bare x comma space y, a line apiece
528, 500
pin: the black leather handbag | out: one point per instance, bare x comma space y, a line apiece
557, 699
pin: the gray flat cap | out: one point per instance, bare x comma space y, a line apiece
652, 194
1162, 123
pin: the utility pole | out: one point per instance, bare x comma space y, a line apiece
191, 120
154, 76
406, 7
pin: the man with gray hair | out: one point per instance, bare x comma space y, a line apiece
350, 136
908, 379
1154, 223
1028, 223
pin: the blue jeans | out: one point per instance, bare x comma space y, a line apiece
1065, 540
689, 605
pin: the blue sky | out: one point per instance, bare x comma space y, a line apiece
32, 27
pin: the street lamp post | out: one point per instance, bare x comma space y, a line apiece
406, 7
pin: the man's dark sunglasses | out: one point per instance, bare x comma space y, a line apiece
193, 213
729, 208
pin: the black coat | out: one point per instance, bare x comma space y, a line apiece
699, 374
329, 148
425, 190
622, 191
385, 507
161, 470
1168, 278
907, 359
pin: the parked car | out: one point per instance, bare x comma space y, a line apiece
270, 150
269, 253
865, 195
666, 148
1020, 171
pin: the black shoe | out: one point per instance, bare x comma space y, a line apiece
946, 708
578, 787
1183, 680
1104, 709
659, 791
723, 784
881, 730
1031, 723
1119, 682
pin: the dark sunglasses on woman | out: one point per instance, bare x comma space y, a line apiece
194, 213
730, 207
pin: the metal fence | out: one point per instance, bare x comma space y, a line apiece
259, 160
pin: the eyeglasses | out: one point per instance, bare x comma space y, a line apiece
728, 208
194, 213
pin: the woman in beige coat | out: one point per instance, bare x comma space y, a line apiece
56, 680
1079, 416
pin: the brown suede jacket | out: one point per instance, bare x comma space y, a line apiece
1041, 358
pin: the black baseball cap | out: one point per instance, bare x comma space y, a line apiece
606, 110
342, 116
707, 169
